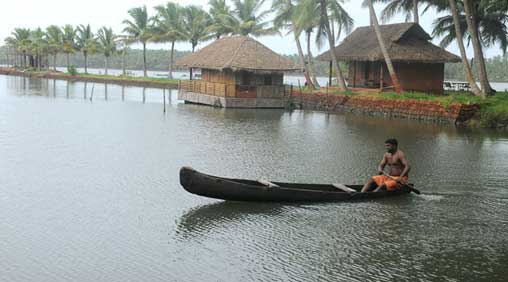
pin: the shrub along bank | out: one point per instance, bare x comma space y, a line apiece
455, 107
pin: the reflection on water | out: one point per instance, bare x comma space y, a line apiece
90, 90
89, 191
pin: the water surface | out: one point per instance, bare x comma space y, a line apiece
89, 191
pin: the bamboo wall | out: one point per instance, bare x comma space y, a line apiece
230, 84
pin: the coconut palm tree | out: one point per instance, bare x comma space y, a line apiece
10, 44
407, 7
286, 18
196, 21
86, 42
54, 37
68, 41
249, 19
107, 45
458, 34
168, 28
22, 42
39, 47
388, 61
323, 11
222, 19
490, 21
471, 10
139, 29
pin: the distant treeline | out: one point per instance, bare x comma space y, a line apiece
497, 67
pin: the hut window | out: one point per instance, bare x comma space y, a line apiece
244, 78
268, 79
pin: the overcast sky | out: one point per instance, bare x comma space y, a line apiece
98, 13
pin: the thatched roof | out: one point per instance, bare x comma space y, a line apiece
237, 53
406, 42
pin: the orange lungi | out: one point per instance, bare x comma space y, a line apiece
388, 182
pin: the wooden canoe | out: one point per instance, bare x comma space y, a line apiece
251, 190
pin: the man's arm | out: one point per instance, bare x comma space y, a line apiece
382, 164
405, 163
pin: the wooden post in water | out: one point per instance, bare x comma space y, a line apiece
84, 90
54, 87
301, 94
91, 95
106, 91
164, 101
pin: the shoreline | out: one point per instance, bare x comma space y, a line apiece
461, 110
161, 83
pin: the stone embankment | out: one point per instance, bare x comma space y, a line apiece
455, 113
111, 80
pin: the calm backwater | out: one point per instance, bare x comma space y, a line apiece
89, 191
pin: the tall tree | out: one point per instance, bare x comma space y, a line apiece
407, 7
391, 70
22, 41
68, 41
490, 20
250, 19
460, 43
471, 10
168, 28
107, 41
286, 18
222, 19
196, 21
139, 29
55, 41
39, 47
325, 9
86, 42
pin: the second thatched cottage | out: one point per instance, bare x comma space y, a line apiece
419, 64
236, 72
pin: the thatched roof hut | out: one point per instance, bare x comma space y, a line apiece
406, 42
238, 53
236, 71
419, 64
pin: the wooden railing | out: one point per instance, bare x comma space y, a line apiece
232, 90
209, 88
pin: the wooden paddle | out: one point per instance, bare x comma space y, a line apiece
409, 186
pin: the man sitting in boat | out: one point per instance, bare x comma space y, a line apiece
398, 173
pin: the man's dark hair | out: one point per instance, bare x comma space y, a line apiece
392, 141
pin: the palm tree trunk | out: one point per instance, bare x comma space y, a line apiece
86, 55
106, 65
458, 34
472, 27
144, 59
310, 63
389, 65
170, 71
330, 36
416, 17
68, 61
302, 60
123, 60
54, 61
7, 54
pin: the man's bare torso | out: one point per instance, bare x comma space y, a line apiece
395, 163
